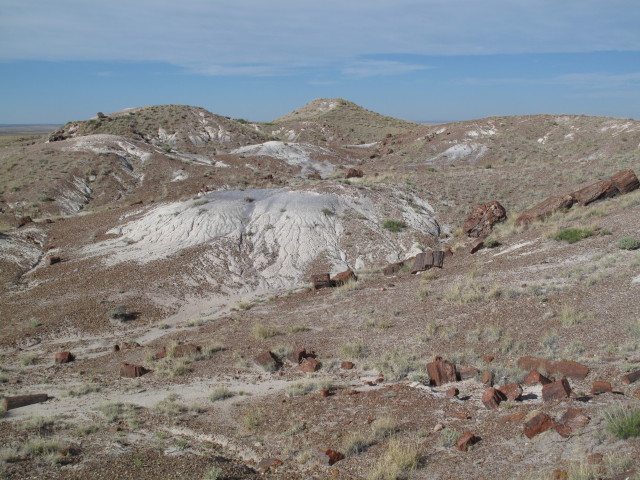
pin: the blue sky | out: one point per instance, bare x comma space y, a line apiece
422, 60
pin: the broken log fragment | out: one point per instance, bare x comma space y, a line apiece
631, 377
24, 400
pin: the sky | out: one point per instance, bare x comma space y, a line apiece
421, 60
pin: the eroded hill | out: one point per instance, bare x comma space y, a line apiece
192, 250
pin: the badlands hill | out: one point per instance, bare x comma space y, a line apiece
172, 229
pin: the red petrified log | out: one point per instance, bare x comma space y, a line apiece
538, 424
572, 420
344, 277
132, 371
322, 280
64, 357
512, 391
24, 400
492, 398
441, 372
465, 441
600, 387
625, 181
631, 377
556, 390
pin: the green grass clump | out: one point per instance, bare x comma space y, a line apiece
628, 243
573, 235
623, 422
393, 225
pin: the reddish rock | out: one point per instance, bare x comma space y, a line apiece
268, 361
487, 378
309, 364
52, 259
476, 245
18, 401
344, 277
512, 391
534, 377
569, 369
465, 441
573, 419
513, 417
186, 350
329, 457
481, 220
426, 260
468, 373
354, 173
347, 365
322, 280
392, 268
625, 181
64, 357
631, 377
596, 191
532, 363
268, 463
600, 387
132, 371
441, 372
300, 354
452, 392
545, 209
462, 415
492, 398
538, 424
556, 390
22, 221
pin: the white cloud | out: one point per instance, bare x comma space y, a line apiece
254, 37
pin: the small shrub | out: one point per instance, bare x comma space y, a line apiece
252, 419
355, 443
569, 317
220, 393
298, 389
115, 411
214, 474
384, 428
355, 350
121, 312
83, 389
449, 437
623, 422
628, 243
262, 332
328, 212
169, 406
573, 235
396, 461
394, 225
299, 328
28, 360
